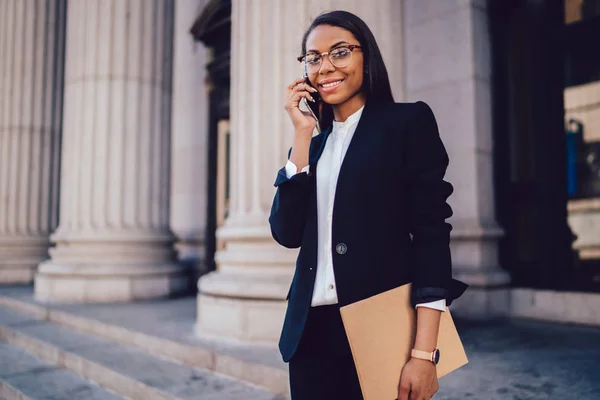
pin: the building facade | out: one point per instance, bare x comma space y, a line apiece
139, 142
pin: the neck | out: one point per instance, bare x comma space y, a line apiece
341, 112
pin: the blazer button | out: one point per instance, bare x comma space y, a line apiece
341, 248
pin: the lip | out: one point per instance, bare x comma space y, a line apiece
329, 89
329, 80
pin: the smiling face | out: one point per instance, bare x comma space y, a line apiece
340, 87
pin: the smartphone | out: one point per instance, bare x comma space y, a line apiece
313, 107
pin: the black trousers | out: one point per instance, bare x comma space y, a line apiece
322, 368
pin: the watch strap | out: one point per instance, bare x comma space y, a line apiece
423, 355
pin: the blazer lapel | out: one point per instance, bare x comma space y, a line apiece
314, 158
312, 223
365, 128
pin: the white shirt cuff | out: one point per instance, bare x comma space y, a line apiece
436, 305
290, 169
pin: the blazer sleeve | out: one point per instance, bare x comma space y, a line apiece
426, 161
290, 207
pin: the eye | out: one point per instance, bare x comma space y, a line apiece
340, 52
312, 59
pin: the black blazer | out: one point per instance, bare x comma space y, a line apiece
390, 187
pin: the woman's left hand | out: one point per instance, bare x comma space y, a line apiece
418, 380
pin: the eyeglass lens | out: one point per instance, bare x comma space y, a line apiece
339, 57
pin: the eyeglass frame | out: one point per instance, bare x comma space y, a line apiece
350, 47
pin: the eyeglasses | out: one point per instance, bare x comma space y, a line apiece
340, 57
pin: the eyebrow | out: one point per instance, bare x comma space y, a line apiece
333, 46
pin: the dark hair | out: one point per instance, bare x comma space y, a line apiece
376, 83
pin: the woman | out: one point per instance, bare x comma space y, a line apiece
365, 200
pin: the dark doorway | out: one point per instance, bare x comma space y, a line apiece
213, 29
530, 142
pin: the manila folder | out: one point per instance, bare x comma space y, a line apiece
381, 332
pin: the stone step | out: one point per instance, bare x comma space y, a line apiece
144, 325
25, 377
128, 371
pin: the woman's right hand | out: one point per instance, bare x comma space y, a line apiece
303, 120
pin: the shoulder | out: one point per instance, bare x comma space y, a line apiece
410, 114
402, 112
416, 109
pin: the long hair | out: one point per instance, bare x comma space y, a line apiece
376, 82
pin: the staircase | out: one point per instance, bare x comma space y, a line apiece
49, 353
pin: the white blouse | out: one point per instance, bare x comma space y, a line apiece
328, 170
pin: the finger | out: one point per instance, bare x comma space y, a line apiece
309, 88
404, 391
303, 88
290, 92
294, 85
415, 394
296, 82
294, 99
295, 103
298, 96
307, 95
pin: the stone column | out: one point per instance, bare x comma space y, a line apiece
31, 71
582, 105
244, 298
113, 242
190, 139
448, 65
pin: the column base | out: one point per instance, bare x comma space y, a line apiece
483, 303
244, 300
242, 307
57, 282
488, 295
17, 274
110, 267
240, 320
475, 254
20, 257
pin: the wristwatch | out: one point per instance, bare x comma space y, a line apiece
433, 356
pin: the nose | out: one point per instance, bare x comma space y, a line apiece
326, 65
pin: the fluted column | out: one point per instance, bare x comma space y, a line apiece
245, 298
448, 65
31, 69
113, 242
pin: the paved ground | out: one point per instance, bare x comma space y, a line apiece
509, 360
518, 360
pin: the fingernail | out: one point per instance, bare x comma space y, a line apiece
314, 90
311, 99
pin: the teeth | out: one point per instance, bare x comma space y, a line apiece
332, 84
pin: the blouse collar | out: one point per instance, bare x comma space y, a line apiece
351, 120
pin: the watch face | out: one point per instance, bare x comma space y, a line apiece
436, 356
